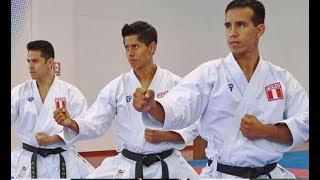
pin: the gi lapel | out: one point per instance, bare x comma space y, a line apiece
156, 80
246, 104
45, 120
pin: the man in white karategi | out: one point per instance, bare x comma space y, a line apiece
44, 153
143, 153
251, 110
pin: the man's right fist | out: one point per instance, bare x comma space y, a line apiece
62, 117
143, 99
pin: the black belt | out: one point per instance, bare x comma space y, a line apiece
245, 172
44, 153
147, 160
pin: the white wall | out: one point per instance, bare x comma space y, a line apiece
87, 39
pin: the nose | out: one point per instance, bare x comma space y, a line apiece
233, 32
130, 52
30, 65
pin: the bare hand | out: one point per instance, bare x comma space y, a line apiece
143, 99
43, 139
153, 136
62, 117
251, 127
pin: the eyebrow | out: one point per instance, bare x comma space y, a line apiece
237, 22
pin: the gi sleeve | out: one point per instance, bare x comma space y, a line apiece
188, 134
296, 114
15, 101
98, 118
186, 102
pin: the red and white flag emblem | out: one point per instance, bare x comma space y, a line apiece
60, 102
274, 91
56, 68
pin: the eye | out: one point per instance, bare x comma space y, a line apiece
135, 46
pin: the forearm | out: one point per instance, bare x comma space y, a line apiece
157, 112
278, 133
171, 136
56, 139
73, 125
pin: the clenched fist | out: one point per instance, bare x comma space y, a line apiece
143, 99
251, 127
62, 117
43, 139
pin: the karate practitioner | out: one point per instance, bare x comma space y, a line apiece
251, 110
44, 153
143, 153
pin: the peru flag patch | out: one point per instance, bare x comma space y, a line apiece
274, 91
60, 102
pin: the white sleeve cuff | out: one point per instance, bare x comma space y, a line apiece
69, 136
297, 139
151, 122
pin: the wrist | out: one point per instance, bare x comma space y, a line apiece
153, 106
68, 122
267, 131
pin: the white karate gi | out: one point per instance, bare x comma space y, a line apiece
219, 92
115, 102
33, 116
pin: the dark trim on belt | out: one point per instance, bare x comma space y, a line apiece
148, 160
245, 172
44, 153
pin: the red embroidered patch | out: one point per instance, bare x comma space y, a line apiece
161, 94
60, 102
274, 91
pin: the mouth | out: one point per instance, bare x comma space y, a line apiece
233, 43
132, 60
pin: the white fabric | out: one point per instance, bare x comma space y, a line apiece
121, 167
278, 173
115, 102
218, 92
33, 116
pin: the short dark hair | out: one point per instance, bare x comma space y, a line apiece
45, 47
255, 5
146, 33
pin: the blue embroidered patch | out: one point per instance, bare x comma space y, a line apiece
230, 86
128, 98
30, 99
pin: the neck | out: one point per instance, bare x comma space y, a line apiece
248, 63
146, 74
46, 81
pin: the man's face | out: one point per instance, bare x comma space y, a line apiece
138, 54
38, 66
242, 36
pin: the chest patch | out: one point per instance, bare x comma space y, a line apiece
274, 91
128, 98
161, 94
60, 102
30, 99
230, 86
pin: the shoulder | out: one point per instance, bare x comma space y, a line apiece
114, 84
22, 87
279, 71
171, 75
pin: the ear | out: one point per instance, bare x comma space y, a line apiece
261, 28
50, 62
153, 47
